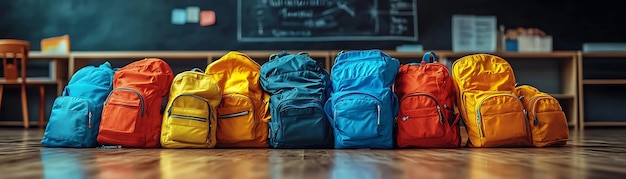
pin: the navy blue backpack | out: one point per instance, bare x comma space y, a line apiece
298, 87
362, 107
75, 116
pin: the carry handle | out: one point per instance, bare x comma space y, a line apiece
303, 53
197, 70
430, 56
278, 55
106, 64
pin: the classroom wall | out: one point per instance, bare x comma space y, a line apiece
98, 25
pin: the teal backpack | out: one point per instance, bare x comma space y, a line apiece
299, 86
75, 116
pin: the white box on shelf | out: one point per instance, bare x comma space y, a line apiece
528, 43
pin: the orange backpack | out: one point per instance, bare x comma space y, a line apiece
489, 106
133, 111
548, 124
426, 116
243, 113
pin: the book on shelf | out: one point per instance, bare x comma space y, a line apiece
604, 47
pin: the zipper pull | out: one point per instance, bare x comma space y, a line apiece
378, 108
89, 119
405, 118
440, 115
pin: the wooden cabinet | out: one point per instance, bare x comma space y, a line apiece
603, 82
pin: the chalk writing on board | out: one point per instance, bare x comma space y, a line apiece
326, 20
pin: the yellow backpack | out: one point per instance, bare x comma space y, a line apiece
491, 110
189, 120
243, 112
548, 123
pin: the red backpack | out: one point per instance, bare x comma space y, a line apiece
133, 111
426, 118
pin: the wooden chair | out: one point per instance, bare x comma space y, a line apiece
13, 51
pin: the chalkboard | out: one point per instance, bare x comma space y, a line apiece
326, 20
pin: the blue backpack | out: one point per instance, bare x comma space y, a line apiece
75, 116
362, 107
298, 87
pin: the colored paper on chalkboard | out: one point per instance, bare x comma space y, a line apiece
207, 18
179, 16
193, 14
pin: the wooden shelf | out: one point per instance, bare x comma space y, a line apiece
31, 81
605, 82
563, 96
451, 54
39, 55
604, 54
607, 124
267, 54
144, 54
592, 56
18, 123
529, 55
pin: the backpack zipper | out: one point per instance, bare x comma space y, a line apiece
378, 120
439, 113
169, 111
89, 119
376, 100
141, 100
307, 100
188, 117
237, 114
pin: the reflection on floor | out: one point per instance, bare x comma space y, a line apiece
596, 153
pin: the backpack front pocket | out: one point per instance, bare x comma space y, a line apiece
501, 120
421, 123
235, 122
301, 121
69, 121
357, 115
189, 117
547, 120
420, 117
122, 110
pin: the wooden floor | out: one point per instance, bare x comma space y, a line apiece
598, 153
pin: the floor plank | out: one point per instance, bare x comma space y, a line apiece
596, 153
